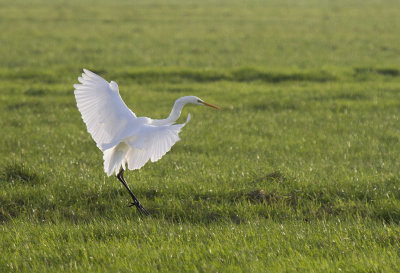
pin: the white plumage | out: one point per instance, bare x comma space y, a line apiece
118, 133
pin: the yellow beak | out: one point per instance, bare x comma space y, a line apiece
213, 106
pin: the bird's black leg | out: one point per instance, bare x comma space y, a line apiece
135, 202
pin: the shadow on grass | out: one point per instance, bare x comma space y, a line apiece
236, 75
350, 96
274, 106
35, 106
35, 92
277, 197
177, 75
18, 173
90, 206
364, 72
31, 75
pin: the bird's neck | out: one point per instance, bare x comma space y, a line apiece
174, 115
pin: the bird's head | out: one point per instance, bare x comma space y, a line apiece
198, 101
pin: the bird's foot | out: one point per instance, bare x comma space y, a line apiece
140, 208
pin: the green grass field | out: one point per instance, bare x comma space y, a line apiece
298, 172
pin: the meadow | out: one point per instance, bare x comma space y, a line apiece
298, 172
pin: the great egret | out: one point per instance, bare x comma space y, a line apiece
119, 134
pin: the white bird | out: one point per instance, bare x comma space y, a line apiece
124, 138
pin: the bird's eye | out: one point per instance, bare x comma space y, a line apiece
199, 101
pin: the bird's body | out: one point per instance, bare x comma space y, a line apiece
124, 139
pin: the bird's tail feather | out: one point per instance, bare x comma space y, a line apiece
114, 158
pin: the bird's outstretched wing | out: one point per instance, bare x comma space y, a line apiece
149, 142
102, 108
152, 143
